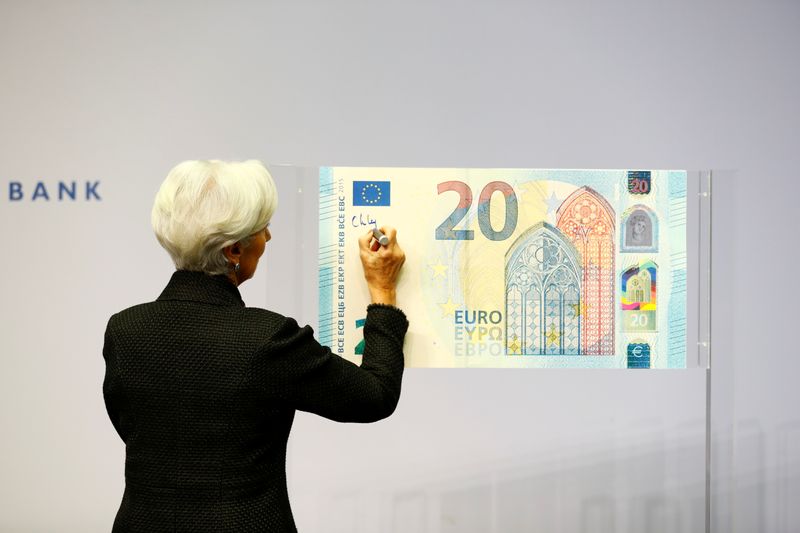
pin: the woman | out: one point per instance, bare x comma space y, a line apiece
203, 390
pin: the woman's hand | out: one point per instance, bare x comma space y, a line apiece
381, 265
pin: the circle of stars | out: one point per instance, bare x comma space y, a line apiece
374, 198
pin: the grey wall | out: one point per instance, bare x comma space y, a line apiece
120, 91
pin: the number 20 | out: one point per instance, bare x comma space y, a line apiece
640, 186
445, 230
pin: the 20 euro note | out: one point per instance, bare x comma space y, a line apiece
513, 267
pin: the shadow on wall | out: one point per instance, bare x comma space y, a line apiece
654, 485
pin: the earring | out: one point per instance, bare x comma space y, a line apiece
236, 267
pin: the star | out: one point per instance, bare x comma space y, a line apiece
579, 308
438, 269
448, 308
553, 203
553, 336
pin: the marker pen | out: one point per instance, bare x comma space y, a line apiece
382, 239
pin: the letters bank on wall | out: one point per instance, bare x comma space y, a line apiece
53, 191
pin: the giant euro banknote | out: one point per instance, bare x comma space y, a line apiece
513, 268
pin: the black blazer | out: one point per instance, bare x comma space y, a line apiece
203, 391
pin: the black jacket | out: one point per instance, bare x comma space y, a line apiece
203, 391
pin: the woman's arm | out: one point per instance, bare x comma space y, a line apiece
309, 377
321, 382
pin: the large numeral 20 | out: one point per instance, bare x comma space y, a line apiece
446, 230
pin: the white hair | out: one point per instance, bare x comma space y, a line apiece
204, 206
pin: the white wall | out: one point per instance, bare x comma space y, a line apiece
119, 91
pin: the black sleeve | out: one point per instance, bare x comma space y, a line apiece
312, 378
111, 382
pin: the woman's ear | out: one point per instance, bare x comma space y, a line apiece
233, 252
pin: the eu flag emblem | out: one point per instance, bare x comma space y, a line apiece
371, 192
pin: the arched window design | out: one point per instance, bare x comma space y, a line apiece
587, 220
639, 297
639, 230
639, 287
543, 294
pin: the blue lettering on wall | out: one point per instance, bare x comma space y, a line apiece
40, 192
63, 191
91, 190
14, 191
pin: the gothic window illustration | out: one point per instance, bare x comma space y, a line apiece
639, 230
639, 287
638, 297
587, 220
543, 294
